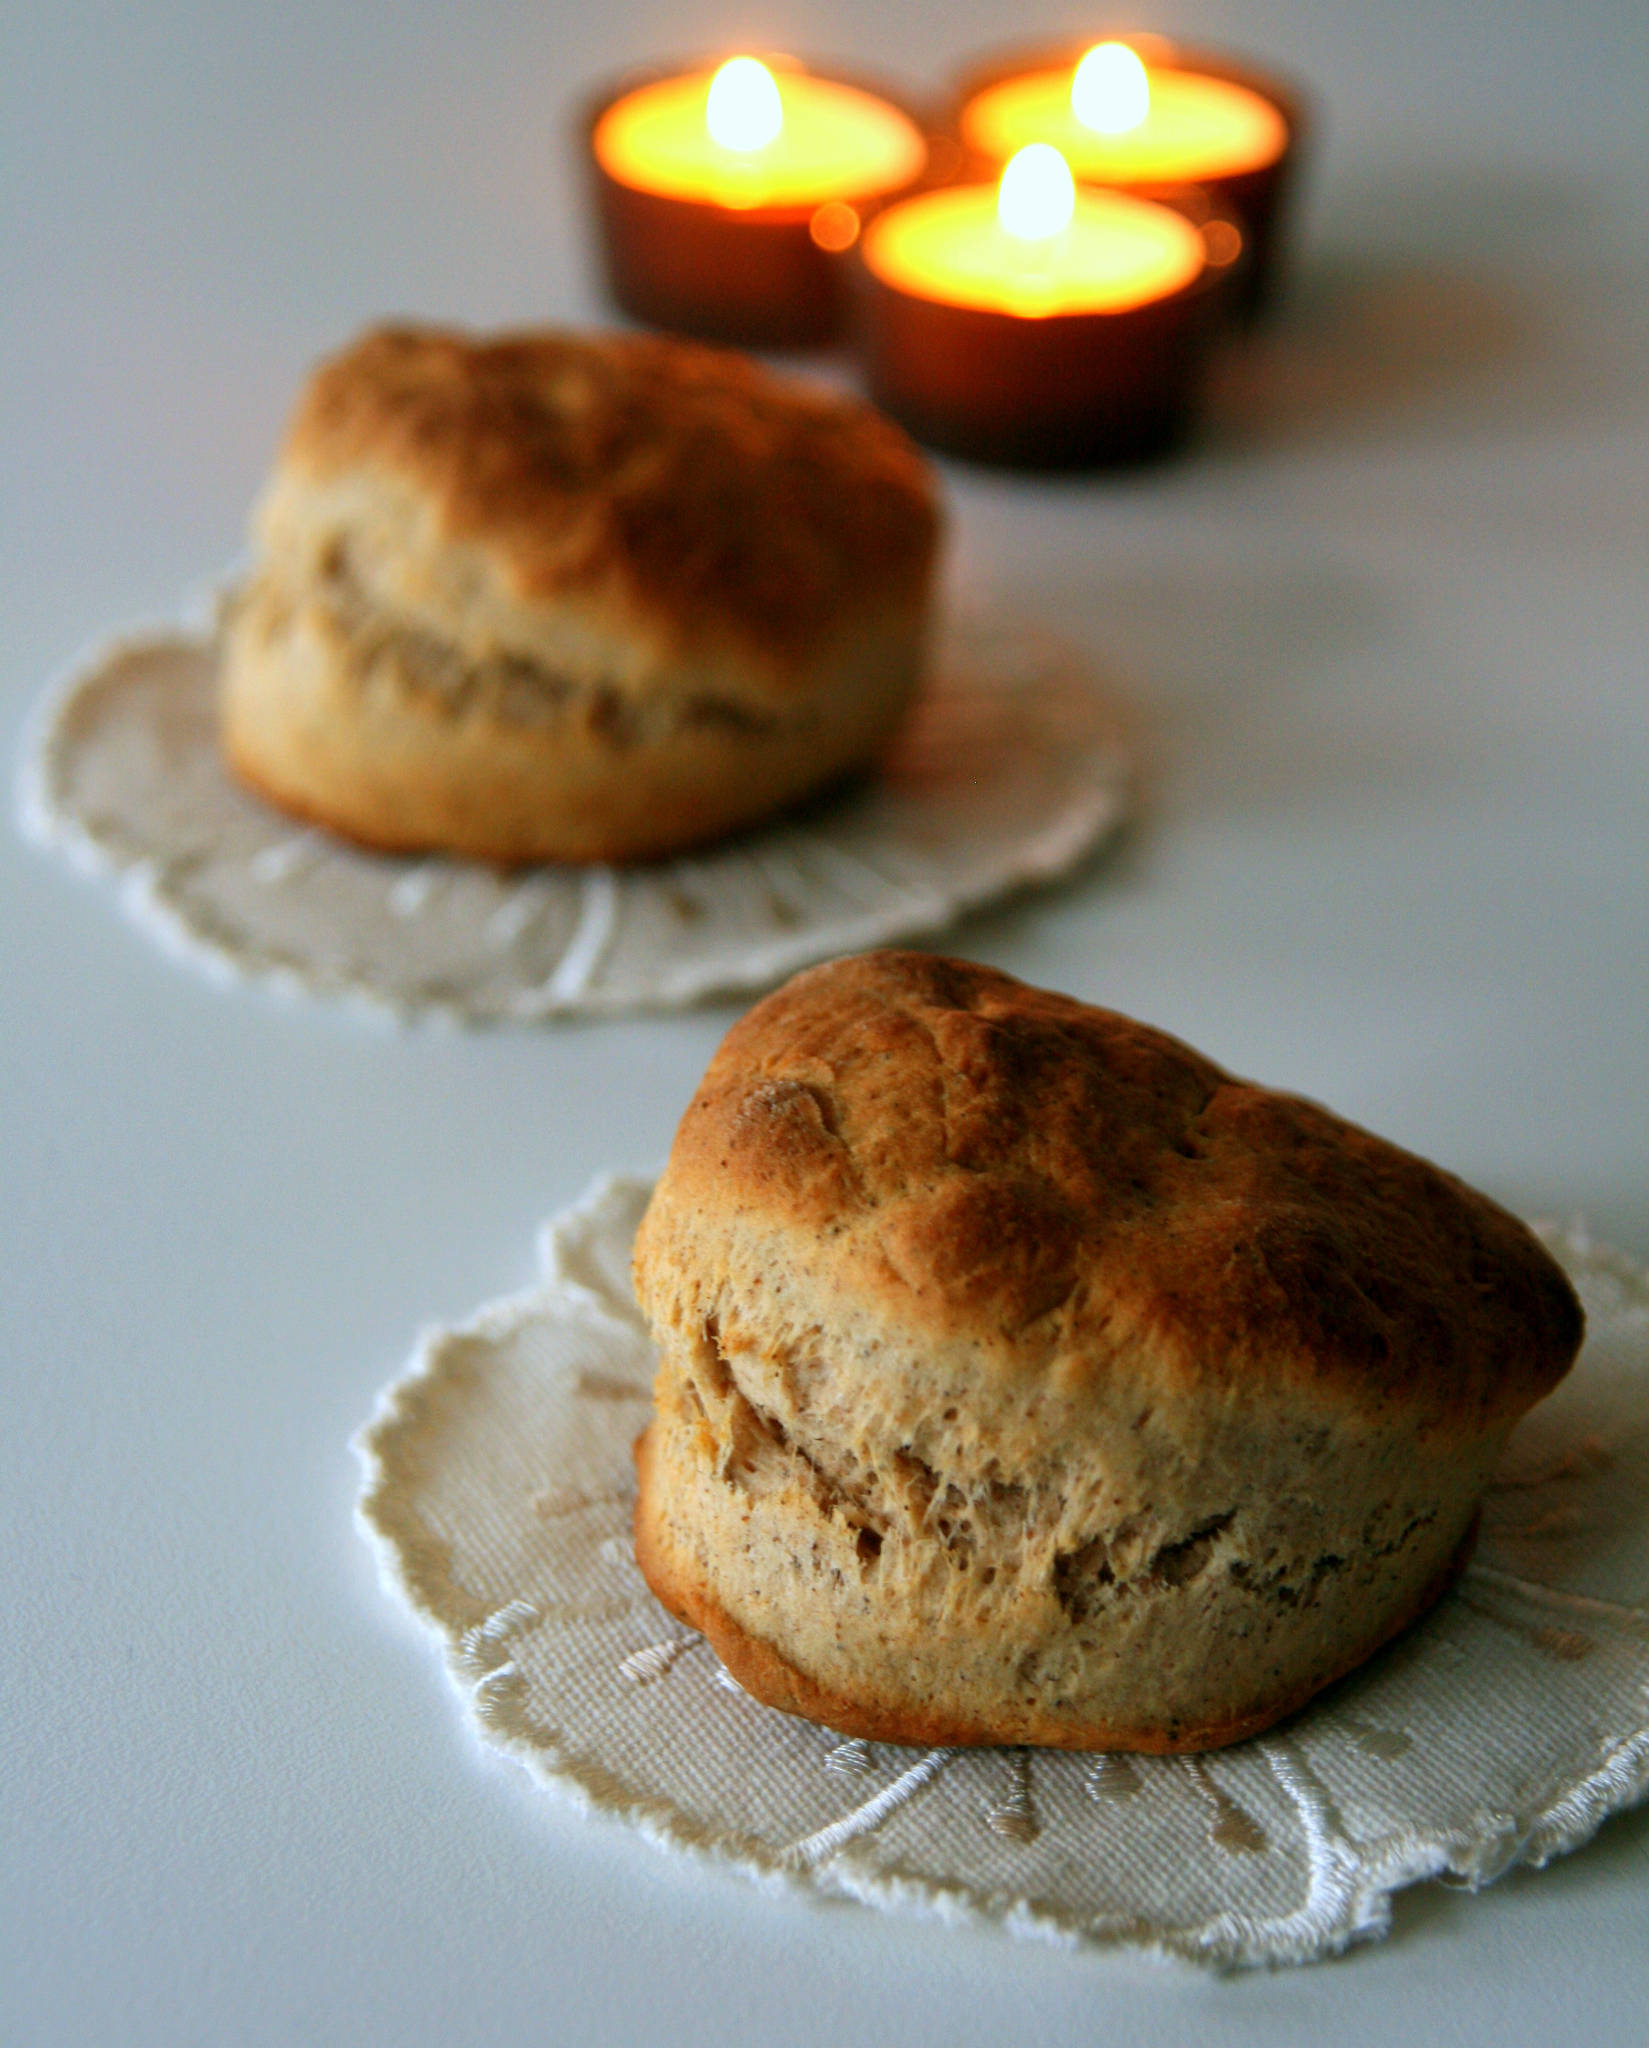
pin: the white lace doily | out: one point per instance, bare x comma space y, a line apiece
1011, 769
1503, 1729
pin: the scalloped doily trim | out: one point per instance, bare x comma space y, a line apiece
1011, 771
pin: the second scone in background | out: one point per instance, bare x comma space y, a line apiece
565, 597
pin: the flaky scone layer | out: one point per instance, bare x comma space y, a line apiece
1025, 1378
389, 738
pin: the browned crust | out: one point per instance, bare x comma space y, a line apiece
967, 1157
768, 1677
724, 498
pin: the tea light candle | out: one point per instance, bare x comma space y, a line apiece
1034, 323
724, 196
1145, 118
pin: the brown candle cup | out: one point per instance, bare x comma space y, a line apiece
1064, 391
1258, 201
757, 277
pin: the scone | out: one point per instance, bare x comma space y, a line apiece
560, 597
1025, 1378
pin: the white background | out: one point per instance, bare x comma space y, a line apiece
1388, 624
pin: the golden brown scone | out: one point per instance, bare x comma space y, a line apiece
1025, 1378
561, 597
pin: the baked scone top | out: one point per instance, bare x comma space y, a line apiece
714, 494
1066, 1194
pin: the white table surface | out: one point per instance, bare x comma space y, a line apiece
1388, 625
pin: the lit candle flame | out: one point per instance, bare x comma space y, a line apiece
1110, 91
742, 110
1037, 195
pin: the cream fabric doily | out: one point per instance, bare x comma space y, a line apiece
1503, 1729
1011, 769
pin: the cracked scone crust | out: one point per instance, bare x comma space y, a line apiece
1025, 1378
568, 597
